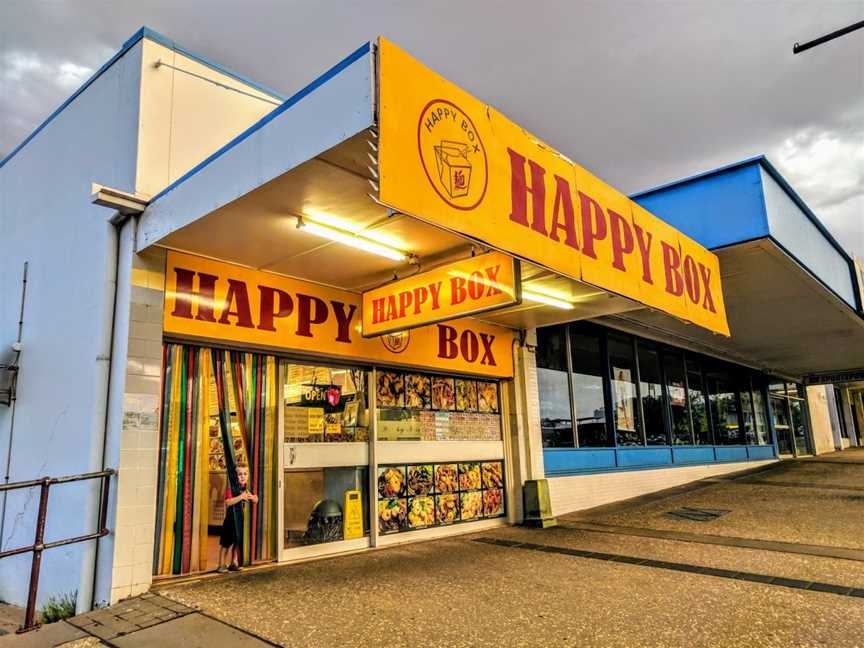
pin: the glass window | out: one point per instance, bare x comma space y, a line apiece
588, 394
841, 414
780, 412
723, 403
747, 417
623, 372
763, 433
799, 421
698, 409
556, 421
314, 503
651, 393
673, 367
325, 405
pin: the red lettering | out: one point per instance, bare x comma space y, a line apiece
564, 204
420, 297
185, 295
492, 280
378, 310
343, 320
310, 310
468, 346
519, 191
622, 239
391, 307
237, 304
447, 348
708, 302
435, 291
691, 279
593, 229
671, 264
643, 240
458, 294
405, 300
267, 313
476, 286
488, 357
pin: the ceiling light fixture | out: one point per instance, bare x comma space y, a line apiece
540, 298
352, 240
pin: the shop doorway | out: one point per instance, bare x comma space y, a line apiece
325, 463
789, 414
219, 412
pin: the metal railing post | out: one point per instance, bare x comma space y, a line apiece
38, 547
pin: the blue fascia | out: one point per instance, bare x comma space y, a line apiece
144, 32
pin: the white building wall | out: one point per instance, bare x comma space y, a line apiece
47, 220
581, 492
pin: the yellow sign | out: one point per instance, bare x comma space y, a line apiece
462, 288
352, 515
450, 160
215, 301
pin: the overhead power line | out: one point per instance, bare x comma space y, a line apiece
797, 49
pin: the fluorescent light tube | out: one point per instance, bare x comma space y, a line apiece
352, 240
546, 299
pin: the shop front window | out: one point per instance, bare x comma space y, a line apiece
676, 387
747, 415
799, 421
556, 422
622, 367
589, 396
651, 393
325, 405
763, 432
698, 408
724, 407
414, 406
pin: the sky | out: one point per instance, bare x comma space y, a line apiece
639, 92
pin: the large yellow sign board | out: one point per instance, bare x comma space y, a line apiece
220, 302
448, 159
458, 289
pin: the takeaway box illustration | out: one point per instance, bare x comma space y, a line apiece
454, 169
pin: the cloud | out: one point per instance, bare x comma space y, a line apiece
826, 168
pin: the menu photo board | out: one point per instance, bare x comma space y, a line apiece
418, 496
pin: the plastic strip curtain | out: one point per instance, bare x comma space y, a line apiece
244, 385
252, 381
181, 503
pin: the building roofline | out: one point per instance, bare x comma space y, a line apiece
285, 105
763, 161
143, 32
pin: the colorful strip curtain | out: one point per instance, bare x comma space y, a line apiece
244, 384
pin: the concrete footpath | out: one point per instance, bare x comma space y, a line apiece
767, 558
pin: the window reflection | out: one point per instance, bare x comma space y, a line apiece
588, 394
651, 391
724, 407
676, 387
698, 409
623, 372
555, 419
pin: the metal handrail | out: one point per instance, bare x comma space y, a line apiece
39, 545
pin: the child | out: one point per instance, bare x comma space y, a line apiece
229, 540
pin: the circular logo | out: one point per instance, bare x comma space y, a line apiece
452, 154
396, 342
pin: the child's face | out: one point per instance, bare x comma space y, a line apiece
242, 475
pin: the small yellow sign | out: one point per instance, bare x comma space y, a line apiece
458, 289
352, 515
459, 164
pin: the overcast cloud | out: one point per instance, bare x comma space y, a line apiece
641, 93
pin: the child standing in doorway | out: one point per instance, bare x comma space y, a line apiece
229, 539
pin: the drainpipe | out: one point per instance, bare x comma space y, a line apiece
125, 205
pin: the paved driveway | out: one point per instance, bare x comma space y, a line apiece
782, 566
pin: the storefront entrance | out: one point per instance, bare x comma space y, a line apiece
789, 412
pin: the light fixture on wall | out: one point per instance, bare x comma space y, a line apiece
353, 240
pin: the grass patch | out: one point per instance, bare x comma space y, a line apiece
59, 607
